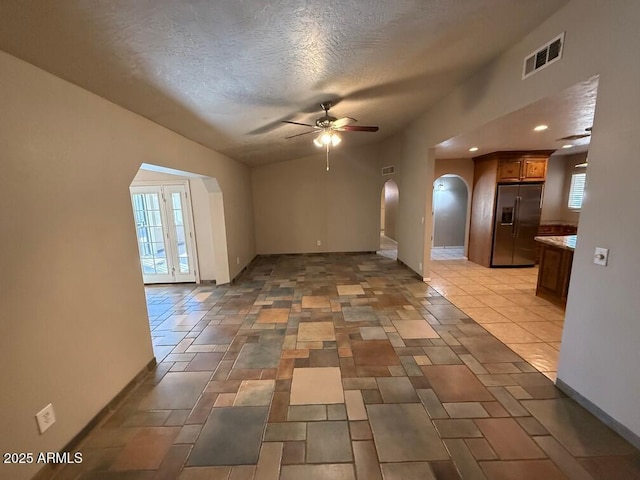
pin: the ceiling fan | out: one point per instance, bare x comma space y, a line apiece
577, 136
328, 125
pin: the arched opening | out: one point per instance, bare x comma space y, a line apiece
180, 226
389, 200
450, 217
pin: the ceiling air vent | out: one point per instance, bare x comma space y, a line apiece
388, 170
543, 57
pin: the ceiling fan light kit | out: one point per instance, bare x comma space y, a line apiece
328, 126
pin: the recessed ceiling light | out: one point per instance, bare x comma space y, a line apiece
541, 128
473, 149
567, 146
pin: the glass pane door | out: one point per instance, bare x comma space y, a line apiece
164, 233
180, 232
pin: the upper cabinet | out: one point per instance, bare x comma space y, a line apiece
516, 167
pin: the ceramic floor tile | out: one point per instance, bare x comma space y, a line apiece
545, 331
373, 333
328, 442
254, 393
397, 390
458, 428
316, 386
350, 290
487, 349
542, 356
522, 470
374, 353
315, 301
238, 344
410, 329
456, 383
510, 333
576, 429
359, 314
179, 390
508, 439
258, 355
146, 449
316, 332
273, 315
231, 436
217, 335
318, 472
404, 433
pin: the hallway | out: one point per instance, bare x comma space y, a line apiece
341, 367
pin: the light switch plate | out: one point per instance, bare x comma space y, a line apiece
45, 418
601, 256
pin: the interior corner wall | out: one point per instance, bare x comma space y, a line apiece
297, 203
74, 320
554, 191
601, 314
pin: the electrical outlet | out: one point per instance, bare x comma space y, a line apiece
238, 260
420, 266
45, 418
318, 243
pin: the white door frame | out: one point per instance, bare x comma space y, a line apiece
187, 212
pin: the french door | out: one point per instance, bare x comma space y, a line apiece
164, 231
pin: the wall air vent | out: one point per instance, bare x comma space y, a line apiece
388, 170
543, 57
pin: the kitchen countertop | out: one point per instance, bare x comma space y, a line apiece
568, 242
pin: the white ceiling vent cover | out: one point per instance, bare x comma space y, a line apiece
543, 57
388, 170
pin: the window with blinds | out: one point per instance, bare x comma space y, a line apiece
576, 192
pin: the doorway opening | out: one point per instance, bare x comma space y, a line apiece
450, 217
389, 200
180, 226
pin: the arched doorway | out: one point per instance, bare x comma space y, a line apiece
450, 217
389, 200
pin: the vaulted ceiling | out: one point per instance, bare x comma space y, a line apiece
226, 73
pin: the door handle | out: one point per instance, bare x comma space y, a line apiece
516, 219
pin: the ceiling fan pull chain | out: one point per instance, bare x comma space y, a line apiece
327, 157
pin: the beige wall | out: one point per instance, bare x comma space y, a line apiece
298, 203
602, 310
553, 197
74, 324
391, 203
201, 218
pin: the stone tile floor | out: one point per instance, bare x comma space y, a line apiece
447, 253
339, 367
503, 301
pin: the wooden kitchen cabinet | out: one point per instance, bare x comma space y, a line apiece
489, 171
554, 274
521, 167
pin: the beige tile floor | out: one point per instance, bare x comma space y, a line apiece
503, 301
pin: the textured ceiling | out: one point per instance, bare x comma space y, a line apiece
225, 73
569, 112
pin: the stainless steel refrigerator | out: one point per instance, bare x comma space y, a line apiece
517, 219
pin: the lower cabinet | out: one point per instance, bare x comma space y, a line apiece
554, 273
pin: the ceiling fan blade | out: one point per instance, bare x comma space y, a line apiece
298, 123
358, 128
341, 122
299, 134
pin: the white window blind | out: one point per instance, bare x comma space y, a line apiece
576, 192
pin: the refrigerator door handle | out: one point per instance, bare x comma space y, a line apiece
516, 219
